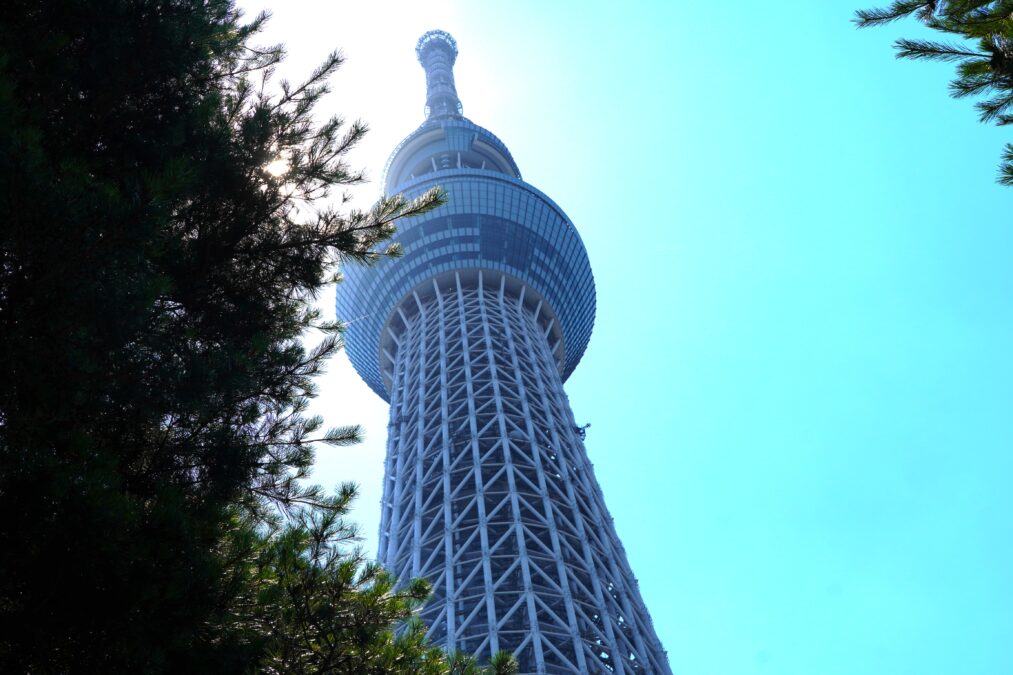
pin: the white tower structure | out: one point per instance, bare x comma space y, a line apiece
488, 492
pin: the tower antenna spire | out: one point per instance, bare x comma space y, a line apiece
437, 51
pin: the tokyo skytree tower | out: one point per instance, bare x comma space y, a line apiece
469, 336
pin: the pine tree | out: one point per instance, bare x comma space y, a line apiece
166, 223
983, 52
316, 606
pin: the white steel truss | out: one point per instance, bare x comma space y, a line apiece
489, 493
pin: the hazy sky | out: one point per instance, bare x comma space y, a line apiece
799, 384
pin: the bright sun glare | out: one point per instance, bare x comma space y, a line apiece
277, 168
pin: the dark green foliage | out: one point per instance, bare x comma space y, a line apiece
321, 608
984, 60
154, 288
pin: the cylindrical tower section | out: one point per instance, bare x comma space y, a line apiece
489, 493
437, 51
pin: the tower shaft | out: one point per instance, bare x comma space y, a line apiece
489, 492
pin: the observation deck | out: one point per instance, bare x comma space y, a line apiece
492, 221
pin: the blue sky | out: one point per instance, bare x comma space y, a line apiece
800, 380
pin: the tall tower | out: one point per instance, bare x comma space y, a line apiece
488, 490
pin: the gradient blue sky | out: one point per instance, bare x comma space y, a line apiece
800, 383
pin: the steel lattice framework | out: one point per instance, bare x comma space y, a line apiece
489, 492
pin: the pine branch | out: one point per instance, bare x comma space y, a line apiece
1006, 168
985, 72
993, 109
934, 51
898, 10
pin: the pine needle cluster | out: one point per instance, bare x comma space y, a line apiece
983, 52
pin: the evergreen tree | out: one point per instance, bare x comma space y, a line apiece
165, 224
318, 607
984, 54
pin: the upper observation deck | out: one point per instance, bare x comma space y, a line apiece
492, 221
